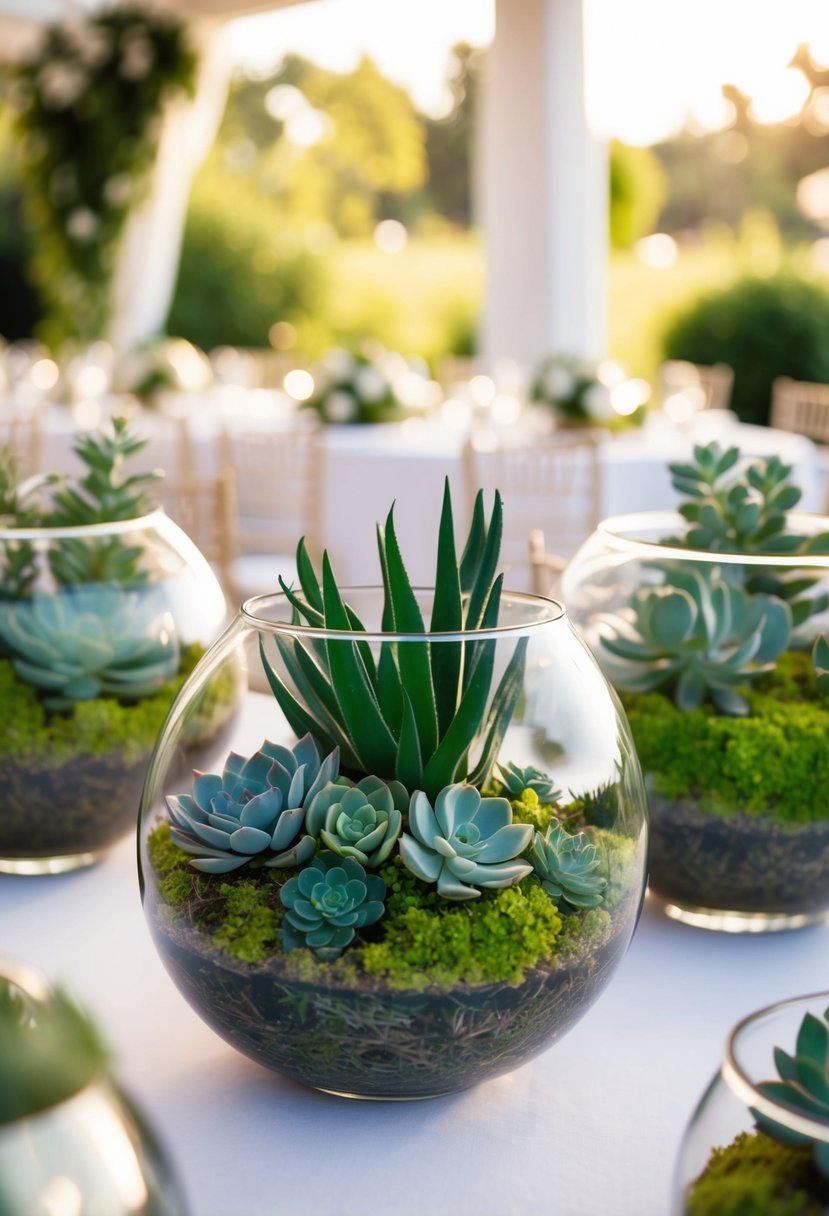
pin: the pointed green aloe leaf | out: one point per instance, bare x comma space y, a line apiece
474, 547
447, 617
362, 719
489, 620
501, 713
409, 764
297, 716
443, 766
318, 696
412, 657
308, 580
389, 688
357, 626
485, 573
306, 610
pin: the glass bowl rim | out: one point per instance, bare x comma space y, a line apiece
745, 1089
248, 612
136, 523
612, 528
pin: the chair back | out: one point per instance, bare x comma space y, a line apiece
706, 387
278, 474
552, 485
801, 406
204, 506
21, 433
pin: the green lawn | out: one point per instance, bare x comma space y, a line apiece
423, 298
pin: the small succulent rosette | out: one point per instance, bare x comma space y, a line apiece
370, 385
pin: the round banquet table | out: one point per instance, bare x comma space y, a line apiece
589, 1128
367, 468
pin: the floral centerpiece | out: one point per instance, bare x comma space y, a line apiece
368, 386
105, 605
711, 623
431, 864
586, 392
88, 104
759, 1146
56, 1095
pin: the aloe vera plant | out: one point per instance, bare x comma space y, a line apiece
803, 1086
418, 714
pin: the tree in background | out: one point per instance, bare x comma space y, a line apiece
638, 187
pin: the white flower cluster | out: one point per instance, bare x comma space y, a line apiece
374, 386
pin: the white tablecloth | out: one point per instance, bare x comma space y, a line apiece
589, 1128
366, 468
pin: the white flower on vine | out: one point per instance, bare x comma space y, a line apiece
90, 43
82, 224
338, 363
118, 190
370, 385
63, 184
136, 55
61, 83
558, 382
597, 402
340, 407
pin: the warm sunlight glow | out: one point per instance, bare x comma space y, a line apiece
651, 67
299, 384
779, 97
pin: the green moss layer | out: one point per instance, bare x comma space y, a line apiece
756, 1176
28, 733
423, 940
774, 762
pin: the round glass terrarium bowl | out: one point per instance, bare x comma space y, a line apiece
91, 1152
727, 1163
98, 625
372, 1023
738, 810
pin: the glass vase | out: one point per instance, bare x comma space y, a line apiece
727, 1163
93, 1152
98, 627
738, 807
439, 993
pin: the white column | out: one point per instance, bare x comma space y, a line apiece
542, 189
148, 259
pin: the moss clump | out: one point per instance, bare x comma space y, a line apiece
422, 941
429, 940
249, 924
756, 1176
769, 763
28, 733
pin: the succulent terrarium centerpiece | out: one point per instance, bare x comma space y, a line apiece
105, 605
758, 1143
425, 852
70, 1139
712, 625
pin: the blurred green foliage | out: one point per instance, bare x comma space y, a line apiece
762, 328
235, 280
638, 188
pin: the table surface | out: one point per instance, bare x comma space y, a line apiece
366, 468
589, 1128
